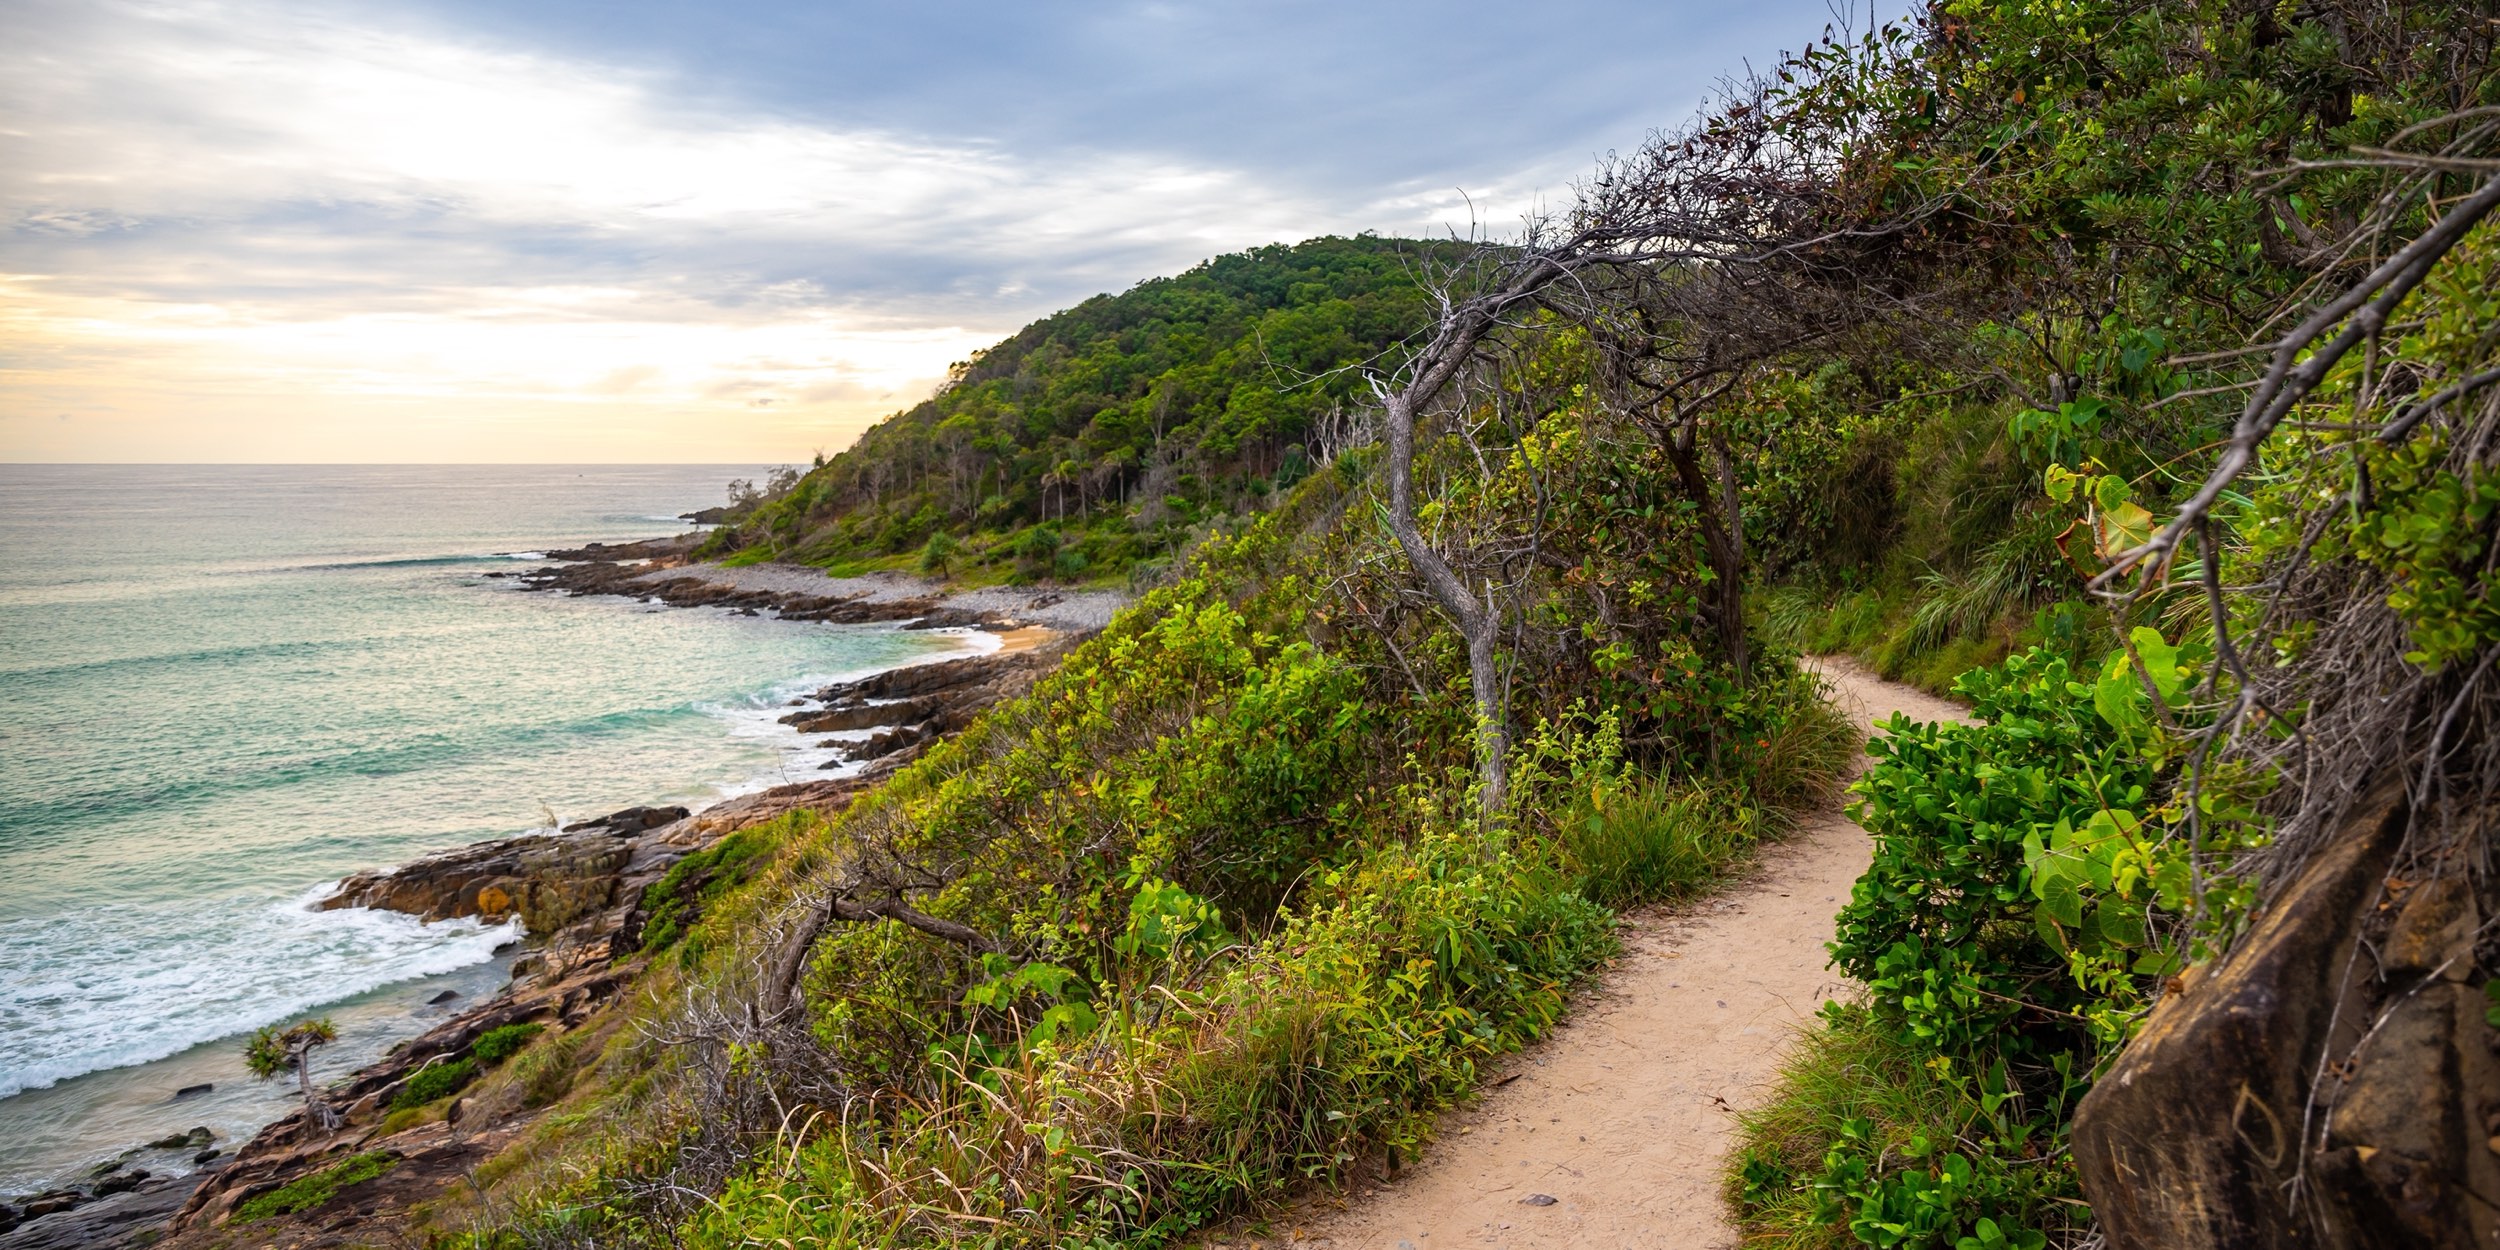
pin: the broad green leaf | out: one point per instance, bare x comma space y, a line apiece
2124, 527
2060, 898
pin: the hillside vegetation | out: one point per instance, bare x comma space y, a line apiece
1105, 435
2126, 367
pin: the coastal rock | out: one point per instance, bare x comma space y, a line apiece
121, 1182
916, 705
668, 551
862, 715
630, 821
550, 881
2335, 1010
194, 1091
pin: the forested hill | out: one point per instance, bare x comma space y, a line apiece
1100, 436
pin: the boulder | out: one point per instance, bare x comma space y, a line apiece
121, 1182
2331, 1082
630, 821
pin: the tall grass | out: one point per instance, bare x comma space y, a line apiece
1651, 841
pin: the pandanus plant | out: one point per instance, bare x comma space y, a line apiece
272, 1051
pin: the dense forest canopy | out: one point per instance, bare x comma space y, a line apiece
1102, 435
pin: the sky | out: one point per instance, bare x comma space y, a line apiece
622, 230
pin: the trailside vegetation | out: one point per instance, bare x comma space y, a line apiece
2126, 368
1211, 914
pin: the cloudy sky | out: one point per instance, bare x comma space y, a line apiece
628, 230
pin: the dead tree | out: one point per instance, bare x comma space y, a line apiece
1705, 254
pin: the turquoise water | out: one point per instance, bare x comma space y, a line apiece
222, 688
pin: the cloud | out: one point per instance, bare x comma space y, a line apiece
212, 209
269, 229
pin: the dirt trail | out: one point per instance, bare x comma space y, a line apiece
1623, 1115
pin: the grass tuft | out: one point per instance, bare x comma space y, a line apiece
316, 1189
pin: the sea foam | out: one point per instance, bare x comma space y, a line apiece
148, 982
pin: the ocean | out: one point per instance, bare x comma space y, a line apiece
223, 688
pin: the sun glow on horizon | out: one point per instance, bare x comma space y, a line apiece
249, 232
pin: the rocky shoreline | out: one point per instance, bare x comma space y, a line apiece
664, 569
583, 894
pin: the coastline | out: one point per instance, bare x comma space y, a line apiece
590, 878
665, 570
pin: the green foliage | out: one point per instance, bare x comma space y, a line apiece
937, 556
497, 1045
272, 1050
435, 1081
1411, 966
1645, 841
2431, 533
1855, 1091
2003, 932
311, 1191
1104, 435
678, 899
545, 1073
2012, 864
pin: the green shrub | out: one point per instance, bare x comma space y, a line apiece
497, 1045
311, 1191
2002, 932
1855, 1091
440, 1080
677, 900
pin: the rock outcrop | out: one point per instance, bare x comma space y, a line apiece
609, 571
2332, 1082
912, 707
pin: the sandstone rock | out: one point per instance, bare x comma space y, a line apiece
630, 821
2216, 1112
862, 715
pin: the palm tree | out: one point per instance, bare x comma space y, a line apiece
271, 1052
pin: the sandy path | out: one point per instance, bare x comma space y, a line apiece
1623, 1115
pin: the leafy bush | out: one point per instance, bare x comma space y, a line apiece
2006, 852
434, 1081
497, 1045
1365, 1012
2003, 933
309, 1192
